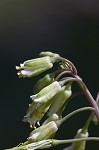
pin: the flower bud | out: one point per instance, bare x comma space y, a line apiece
41, 103
54, 117
34, 67
47, 93
49, 54
39, 145
35, 113
43, 82
59, 99
80, 145
54, 57
43, 132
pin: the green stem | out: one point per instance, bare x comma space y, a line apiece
85, 128
58, 142
59, 122
17, 148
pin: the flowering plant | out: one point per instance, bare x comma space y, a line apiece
50, 98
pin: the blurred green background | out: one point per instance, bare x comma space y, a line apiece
67, 27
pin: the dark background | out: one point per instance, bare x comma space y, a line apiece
67, 27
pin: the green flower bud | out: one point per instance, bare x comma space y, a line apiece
54, 117
39, 145
47, 93
59, 99
49, 54
43, 132
34, 67
80, 145
55, 57
41, 103
43, 82
35, 113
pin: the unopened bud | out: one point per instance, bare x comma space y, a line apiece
47, 93
41, 103
43, 132
34, 67
43, 82
59, 99
54, 117
80, 145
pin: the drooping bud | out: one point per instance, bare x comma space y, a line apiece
47, 93
43, 82
41, 103
43, 132
54, 117
80, 145
39, 145
49, 54
59, 99
34, 67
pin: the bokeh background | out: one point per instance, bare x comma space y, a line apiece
67, 27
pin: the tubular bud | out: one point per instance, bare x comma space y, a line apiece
80, 145
54, 117
34, 67
47, 93
43, 82
35, 113
59, 99
54, 57
49, 54
41, 103
43, 132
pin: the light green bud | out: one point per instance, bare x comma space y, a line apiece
43, 132
54, 57
39, 145
41, 103
59, 99
43, 82
34, 67
54, 117
35, 113
49, 54
47, 93
80, 145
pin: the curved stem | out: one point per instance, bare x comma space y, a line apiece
88, 96
67, 79
59, 122
84, 90
62, 73
70, 63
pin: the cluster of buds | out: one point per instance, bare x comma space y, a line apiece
41, 103
50, 97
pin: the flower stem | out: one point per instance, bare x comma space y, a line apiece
88, 96
59, 122
58, 142
70, 63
